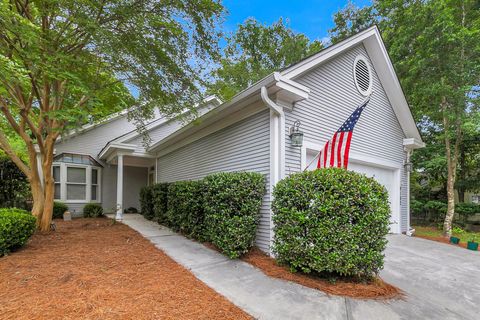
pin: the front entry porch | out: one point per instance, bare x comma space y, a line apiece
129, 174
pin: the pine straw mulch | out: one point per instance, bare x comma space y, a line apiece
377, 289
95, 269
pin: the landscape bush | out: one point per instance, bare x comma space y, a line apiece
231, 200
331, 221
59, 209
466, 210
159, 202
92, 210
232, 206
185, 208
146, 202
16, 227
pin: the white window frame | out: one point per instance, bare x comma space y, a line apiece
88, 184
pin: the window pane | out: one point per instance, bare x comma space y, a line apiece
94, 176
57, 191
76, 175
56, 173
94, 192
76, 192
77, 159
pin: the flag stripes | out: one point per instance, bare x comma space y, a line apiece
336, 151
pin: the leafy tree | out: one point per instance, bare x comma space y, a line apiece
351, 20
434, 47
469, 159
63, 62
254, 51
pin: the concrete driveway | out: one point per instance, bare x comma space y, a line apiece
440, 281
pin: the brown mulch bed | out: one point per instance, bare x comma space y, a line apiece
377, 289
95, 269
442, 240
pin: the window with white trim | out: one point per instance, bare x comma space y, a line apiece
56, 177
77, 178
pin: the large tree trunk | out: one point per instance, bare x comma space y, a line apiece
447, 225
452, 157
49, 187
38, 198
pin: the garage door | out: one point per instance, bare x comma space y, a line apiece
384, 176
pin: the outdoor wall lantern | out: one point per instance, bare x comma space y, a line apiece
408, 166
296, 136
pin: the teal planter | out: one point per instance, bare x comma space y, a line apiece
472, 245
454, 240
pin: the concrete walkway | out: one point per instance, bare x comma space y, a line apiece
441, 281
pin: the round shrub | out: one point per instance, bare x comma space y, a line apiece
92, 210
185, 208
16, 227
59, 209
146, 202
331, 220
232, 205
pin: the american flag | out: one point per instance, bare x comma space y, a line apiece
336, 150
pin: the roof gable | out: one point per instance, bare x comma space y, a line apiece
373, 43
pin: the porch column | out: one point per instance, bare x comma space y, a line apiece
119, 214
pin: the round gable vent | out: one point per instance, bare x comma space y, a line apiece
362, 75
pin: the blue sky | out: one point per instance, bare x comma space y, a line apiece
311, 17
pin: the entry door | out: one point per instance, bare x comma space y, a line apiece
385, 177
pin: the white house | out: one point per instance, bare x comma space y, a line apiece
107, 163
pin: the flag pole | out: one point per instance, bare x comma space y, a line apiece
310, 163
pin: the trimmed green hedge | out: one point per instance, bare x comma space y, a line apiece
146, 202
159, 202
185, 208
59, 209
232, 207
92, 210
16, 227
331, 220
231, 200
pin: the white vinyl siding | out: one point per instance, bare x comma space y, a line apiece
332, 99
243, 146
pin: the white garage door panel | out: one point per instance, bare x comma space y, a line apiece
386, 177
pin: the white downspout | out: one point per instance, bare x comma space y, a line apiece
277, 146
278, 116
410, 231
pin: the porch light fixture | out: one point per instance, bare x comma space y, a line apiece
408, 166
296, 136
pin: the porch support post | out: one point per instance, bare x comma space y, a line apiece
119, 215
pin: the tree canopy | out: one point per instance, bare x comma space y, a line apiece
65, 62
254, 51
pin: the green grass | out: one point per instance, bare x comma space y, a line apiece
464, 236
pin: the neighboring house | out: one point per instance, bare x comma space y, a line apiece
470, 197
107, 163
